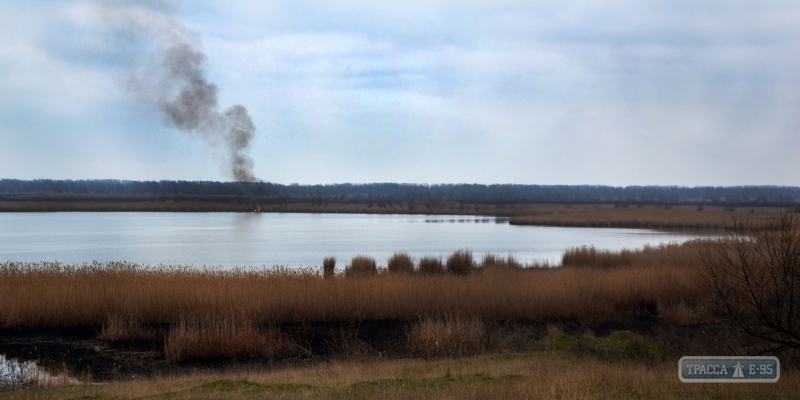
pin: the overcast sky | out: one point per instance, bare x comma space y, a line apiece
435, 91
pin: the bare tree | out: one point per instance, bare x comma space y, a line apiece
753, 274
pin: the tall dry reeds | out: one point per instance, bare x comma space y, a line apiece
592, 257
650, 216
126, 329
329, 267
400, 263
431, 265
494, 261
40, 295
460, 262
446, 337
197, 338
361, 266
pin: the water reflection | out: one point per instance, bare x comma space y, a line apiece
291, 240
15, 374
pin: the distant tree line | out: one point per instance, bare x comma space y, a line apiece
66, 190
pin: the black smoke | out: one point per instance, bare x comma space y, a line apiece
171, 75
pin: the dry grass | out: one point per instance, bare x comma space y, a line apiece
543, 375
58, 295
329, 267
650, 216
578, 215
493, 261
220, 337
663, 255
460, 262
127, 329
361, 267
400, 263
447, 337
431, 265
229, 314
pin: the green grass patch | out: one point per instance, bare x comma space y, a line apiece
619, 346
508, 356
433, 384
225, 385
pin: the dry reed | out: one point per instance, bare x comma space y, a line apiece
447, 337
460, 262
51, 294
219, 337
400, 263
431, 265
329, 267
127, 329
361, 266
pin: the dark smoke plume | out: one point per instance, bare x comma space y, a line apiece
175, 82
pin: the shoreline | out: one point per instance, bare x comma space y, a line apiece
607, 215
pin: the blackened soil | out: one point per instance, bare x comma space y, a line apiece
84, 355
78, 349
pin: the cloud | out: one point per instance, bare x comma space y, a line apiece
618, 92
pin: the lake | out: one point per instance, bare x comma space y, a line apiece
293, 240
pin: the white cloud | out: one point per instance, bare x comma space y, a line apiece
619, 92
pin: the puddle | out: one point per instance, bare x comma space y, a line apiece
15, 374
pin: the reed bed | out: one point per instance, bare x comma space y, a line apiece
662, 255
450, 337
649, 216
52, 294
220, 337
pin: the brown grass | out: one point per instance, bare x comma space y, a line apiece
229, 314
400, 263
58, 295
649, 216
431, 265
448, 337
578, 215
329, 267
542, 375
360, 267
494, 261
220, 337
127, 329
460, 262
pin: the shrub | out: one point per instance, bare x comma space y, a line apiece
361, 266
753, 274
431, 265
401, 263
460, 262
329, 267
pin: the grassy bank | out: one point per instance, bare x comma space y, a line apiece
650, 216
538, 375
577, 215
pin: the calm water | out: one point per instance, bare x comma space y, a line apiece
293, 240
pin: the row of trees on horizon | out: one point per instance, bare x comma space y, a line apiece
46, 189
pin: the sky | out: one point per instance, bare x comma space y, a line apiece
521, 91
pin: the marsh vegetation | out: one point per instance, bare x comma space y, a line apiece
647, 305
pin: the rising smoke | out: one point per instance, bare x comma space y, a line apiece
171, 76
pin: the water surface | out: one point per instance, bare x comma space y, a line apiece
292, 240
